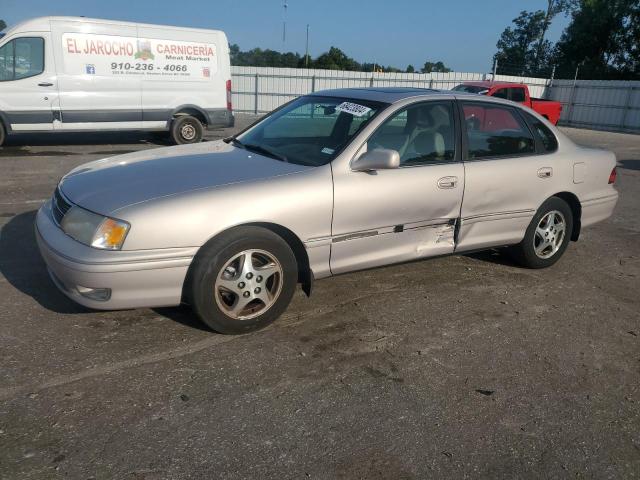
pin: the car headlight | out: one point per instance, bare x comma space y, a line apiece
93, 229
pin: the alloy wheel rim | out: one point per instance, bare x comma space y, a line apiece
188, 131
549, 234
248, 284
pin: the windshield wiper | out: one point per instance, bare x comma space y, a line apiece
265, 151
233, 141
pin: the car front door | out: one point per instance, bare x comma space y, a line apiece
506, 179
28, 90
400, 214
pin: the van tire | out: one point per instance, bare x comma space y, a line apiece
186, 129
3, 134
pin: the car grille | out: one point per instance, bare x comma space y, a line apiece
59, 206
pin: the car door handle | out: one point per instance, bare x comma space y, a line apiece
545, 172
45, 84
447, 182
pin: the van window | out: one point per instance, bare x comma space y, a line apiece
496, 131
21, 58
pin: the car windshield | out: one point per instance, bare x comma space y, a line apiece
471, 89
311, 130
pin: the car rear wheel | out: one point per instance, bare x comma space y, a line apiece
3, 134
547, 236
186, 129
243, 280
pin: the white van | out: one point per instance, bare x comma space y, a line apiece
81, 74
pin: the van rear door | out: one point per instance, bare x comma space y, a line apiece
187, 74
28, 91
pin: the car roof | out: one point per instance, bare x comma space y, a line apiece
382, 94
491, 83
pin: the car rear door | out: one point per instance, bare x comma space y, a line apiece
506, 180
401, 214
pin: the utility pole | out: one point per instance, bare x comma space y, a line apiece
306, 50
495, 69
284, 22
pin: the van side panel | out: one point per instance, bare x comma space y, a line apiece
197, 82
92, 97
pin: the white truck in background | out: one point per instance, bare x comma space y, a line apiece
83, 75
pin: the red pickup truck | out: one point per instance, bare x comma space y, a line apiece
516, 92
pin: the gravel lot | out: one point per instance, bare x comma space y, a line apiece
457, 367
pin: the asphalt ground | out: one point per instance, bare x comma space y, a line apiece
458, 367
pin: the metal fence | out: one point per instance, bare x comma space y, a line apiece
605, 105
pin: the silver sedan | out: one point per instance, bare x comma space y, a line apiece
332, 182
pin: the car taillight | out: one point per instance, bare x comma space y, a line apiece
229, 106
612, 177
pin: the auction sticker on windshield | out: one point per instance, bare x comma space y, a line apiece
353, 108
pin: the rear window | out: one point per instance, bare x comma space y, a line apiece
471, 89
545, 135
496, 131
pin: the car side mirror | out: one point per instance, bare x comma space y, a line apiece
377, 159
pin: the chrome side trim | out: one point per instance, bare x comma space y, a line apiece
487, 217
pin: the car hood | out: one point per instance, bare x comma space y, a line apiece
107, 185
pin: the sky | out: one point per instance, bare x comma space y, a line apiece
461, 33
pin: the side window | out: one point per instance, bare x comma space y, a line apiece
6, 62
502, 93
22, 58
421, 134
517, 94
546, 136
496, 131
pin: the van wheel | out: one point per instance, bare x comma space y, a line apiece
3, 134
547, 236
186, 129
243, 280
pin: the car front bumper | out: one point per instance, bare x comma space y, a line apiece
133, 279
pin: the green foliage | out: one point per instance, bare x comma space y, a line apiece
521, 48
435, 67
334, 59
410, 69
3, 25
603, 40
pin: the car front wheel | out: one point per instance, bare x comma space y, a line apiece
243, 280
547, 236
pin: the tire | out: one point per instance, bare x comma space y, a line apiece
543, 247
3, 134
186, 129
227, 291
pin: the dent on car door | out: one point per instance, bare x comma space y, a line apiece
405, 213
506, 179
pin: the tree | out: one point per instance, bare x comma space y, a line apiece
336, 59
437, 67
554, 7
410, 69
603, 40
3, 25
521, 49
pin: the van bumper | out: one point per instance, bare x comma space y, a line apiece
220, 118
110, 280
